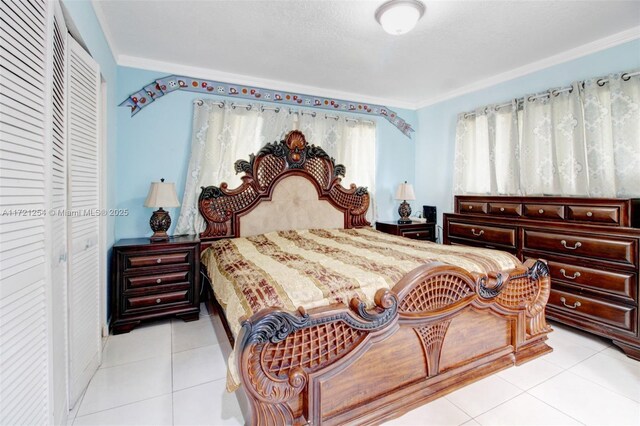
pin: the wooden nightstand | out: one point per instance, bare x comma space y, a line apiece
414, 230
154, 280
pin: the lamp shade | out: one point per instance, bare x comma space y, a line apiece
405, 192
162, 194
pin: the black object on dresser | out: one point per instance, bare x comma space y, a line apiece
416, 230
154, 280
591, 245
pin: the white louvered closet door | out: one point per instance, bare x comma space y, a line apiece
83, 199
58, 222
24, 333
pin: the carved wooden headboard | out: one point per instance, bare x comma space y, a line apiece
223, 208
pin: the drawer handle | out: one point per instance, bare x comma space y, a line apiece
589, 214
158, 281
473, 231
470, 207
541, 211
501, 209
574, 306
564, 274
158, 260
417, 235
158, 300
575, 246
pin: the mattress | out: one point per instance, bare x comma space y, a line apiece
318, 267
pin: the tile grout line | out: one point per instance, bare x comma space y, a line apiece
502, 403
123, 405
555, 408
200, 384
173, 415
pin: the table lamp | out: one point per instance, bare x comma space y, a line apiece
404, 193
161, 195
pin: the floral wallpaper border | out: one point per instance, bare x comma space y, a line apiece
163, 86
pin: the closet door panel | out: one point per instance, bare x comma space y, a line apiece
24, 333
83, 201
57, 220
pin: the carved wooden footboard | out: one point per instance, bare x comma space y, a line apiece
438, 329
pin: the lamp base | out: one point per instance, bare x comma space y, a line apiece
160, 222
404, 211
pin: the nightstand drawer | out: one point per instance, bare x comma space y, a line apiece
154, 300
483, 233
157, 259
156, 279
418, 234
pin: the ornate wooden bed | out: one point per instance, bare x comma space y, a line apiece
439, 328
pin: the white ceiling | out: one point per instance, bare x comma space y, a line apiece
331, 47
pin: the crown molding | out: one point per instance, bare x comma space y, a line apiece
102, 20
568, 55
240, 79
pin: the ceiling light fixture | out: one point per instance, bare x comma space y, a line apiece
399, 16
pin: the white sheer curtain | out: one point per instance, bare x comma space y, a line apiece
583, 141
612, 134
552, 147
487, 151
223, 134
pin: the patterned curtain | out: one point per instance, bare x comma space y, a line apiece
487, 152
223, 134
583, 142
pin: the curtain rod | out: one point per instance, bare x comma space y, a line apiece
248, 107
555, 92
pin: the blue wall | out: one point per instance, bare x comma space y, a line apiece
156, 144
436, 138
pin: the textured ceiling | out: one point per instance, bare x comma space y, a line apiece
338, 45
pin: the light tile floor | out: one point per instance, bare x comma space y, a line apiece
173, 373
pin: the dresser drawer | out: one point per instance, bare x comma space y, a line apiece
599, 311
155, 300
616, 250
607, 215
483, 233
157, 259
156, 280
472, 207
505, 209
619, 283
544, 211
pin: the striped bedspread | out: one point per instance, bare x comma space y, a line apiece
318, 267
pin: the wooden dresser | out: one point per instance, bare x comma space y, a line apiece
154, 280
591, 245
